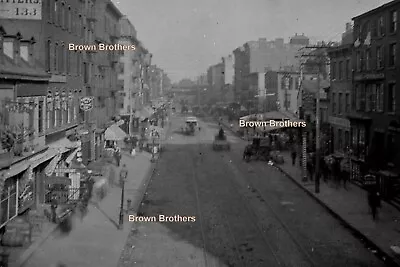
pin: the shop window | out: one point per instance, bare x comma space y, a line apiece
8, 204
391, 98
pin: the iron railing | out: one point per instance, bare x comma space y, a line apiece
66, 196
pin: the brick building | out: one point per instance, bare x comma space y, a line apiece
375, 124
340, 93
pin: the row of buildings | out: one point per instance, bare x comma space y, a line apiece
356, 80
57, 103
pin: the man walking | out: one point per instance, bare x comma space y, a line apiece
294, 156
374, 202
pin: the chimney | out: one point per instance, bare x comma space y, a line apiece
17, 48
348, 26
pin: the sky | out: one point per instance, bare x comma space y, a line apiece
187, 36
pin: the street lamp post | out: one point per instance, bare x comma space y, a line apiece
123, 174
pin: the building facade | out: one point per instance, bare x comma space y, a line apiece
340, 97
216, 81
127, 69
374, 122
107, 31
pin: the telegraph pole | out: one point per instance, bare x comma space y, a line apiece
318, 112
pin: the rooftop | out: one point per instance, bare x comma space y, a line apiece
375, 10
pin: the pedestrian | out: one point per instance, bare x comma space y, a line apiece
374, 202
294, 156
310, 168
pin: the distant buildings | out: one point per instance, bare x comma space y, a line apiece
262, 56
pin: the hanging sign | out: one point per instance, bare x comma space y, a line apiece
49, 100
86, 103
57, 101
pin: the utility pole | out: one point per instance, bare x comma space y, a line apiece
319, 63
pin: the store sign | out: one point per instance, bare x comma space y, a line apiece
65, 170
369, 76
57, 180
21, 9
86, 103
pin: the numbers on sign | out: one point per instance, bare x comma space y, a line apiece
25, 12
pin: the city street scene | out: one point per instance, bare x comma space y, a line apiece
199, 133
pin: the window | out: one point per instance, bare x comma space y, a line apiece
56, 58
31, 117
49, 10
373, 97
358, 60
8, 48
68, 59
333, 70
340, 139
40, 116
368, 59
340, 103
347, 103
349, 70
393, 21
61, 55
391, 97
9, 198
379, 97
48, 56
379, 57
368, 97
56, 8
50, 107
69, 19
63, 17
340, 70
381, 26
360, 98
392, 54
333, 103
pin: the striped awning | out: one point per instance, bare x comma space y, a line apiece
72, 156
39, 159
52, 165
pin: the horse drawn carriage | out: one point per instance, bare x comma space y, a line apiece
260, 148
190, 126
220, 142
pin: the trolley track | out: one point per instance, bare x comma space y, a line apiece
237, 184
241, 258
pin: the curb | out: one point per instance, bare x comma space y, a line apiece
385, 257
149, 176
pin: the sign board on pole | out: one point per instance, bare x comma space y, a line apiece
21, 10
86, 103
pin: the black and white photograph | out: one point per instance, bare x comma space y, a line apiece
199, 133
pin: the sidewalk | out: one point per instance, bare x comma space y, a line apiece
351, 207
96, 240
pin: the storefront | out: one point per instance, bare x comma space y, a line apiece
10, 180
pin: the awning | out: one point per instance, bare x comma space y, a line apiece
72, 156
64, 145
52, 165
39, 159
114, 133
15, 170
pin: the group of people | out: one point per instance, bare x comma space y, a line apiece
333, 169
